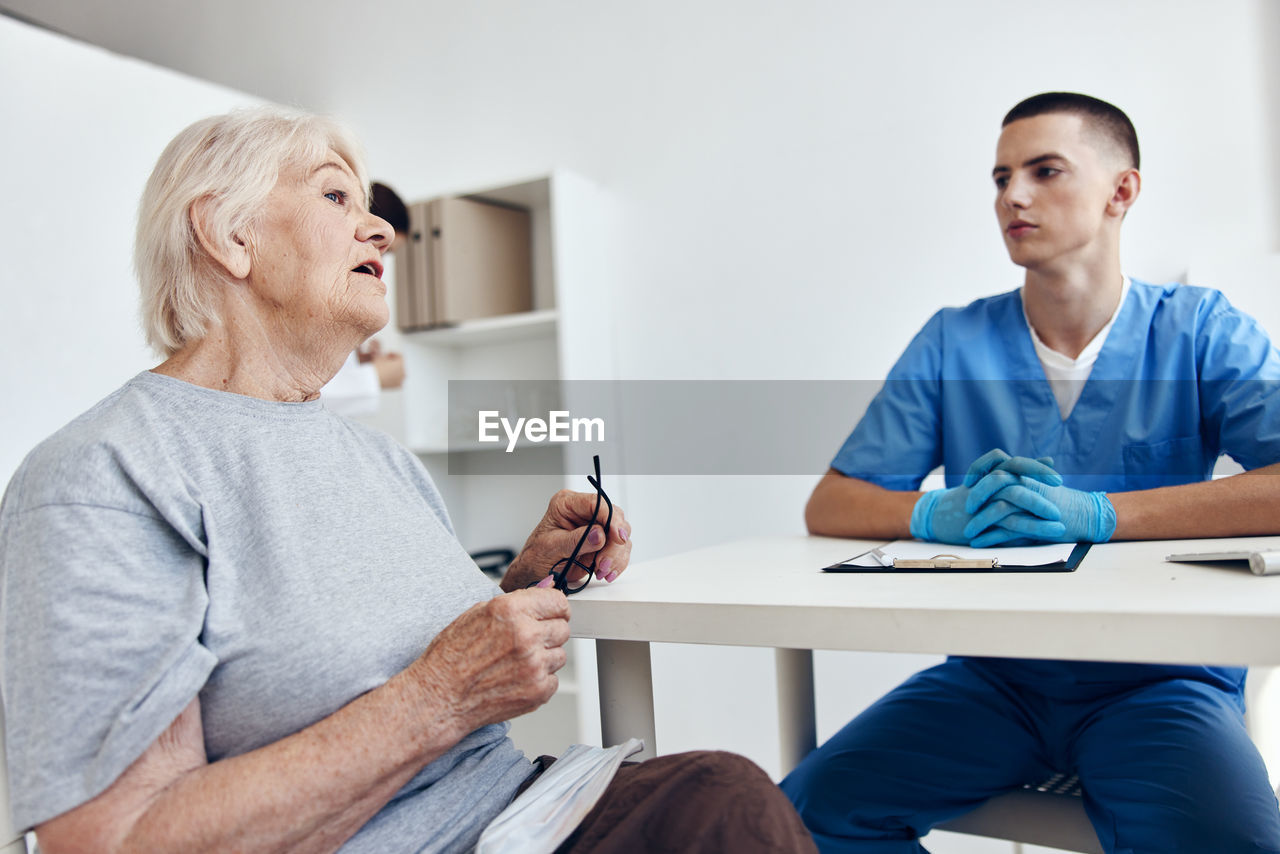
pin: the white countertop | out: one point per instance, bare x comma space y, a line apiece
1124, 603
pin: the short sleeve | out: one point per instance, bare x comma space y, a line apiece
898, 440
1239, 374
101, 609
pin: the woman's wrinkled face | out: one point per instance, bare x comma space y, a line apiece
316, 251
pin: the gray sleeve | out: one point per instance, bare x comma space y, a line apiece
101, 610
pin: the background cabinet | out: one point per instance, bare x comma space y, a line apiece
465, 258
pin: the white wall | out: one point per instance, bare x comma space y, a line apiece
786, 163
804, 183
807, 181
80, 130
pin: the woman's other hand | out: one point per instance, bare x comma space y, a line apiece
554, 538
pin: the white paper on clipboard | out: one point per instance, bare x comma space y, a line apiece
1043, 555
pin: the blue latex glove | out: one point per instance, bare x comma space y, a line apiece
995, 470
1077, 516
1029, 513
946, 516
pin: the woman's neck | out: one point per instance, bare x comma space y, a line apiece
252, 360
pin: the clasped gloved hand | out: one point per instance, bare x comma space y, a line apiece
959, 514
1045, 513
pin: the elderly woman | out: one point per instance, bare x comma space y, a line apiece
235, 621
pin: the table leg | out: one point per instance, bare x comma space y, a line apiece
797, 726
626, 694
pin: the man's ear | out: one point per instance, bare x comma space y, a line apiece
1128, 186
229, 251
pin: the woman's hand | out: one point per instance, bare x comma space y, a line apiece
567, 516
497, 660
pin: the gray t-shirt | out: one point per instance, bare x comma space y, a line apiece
273, 558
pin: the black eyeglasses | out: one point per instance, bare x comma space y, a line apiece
560, 570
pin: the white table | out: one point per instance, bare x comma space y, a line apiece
1124, 603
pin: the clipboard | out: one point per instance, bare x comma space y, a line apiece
943, 562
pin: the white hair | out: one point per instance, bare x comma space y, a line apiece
233, 160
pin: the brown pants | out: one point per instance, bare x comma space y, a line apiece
704, 801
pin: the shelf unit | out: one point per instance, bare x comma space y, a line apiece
537, 324
567, 336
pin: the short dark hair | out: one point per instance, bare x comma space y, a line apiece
388, 205
1107, 119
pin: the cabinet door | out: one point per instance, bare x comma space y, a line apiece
413, 307
481, 260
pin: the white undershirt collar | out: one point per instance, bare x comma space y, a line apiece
1066, 375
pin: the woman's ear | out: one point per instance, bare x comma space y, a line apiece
229, 251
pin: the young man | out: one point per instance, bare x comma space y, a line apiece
1117, 398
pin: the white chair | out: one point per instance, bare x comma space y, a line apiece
1050, 814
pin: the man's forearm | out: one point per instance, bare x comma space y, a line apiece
848, 507
1245, 504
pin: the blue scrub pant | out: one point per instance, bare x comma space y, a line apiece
1166, 766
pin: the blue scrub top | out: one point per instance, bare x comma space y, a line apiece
1182, 378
